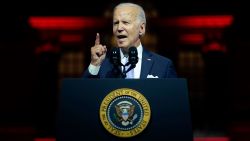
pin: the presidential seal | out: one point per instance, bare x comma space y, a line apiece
125, 112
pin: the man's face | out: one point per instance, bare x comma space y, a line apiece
126, 27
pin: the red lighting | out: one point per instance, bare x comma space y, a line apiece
65, 23
212, 21
211, 139
44, 139
192, 38
71, 38
195, 139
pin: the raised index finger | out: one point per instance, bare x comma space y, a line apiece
97, 39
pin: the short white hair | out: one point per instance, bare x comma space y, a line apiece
141, 15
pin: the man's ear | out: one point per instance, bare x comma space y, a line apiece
142, 29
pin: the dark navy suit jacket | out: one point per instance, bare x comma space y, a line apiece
152, 64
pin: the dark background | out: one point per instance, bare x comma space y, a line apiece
30, 82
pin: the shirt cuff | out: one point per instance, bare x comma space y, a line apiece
93, 70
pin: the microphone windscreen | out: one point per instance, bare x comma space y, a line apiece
115, 58
133, 55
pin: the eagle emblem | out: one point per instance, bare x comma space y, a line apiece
125, 113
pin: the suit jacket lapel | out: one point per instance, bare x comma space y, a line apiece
147, 63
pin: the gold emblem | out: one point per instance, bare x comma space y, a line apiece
125, 112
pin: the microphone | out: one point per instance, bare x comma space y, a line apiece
132, 60
133, 56
115, 57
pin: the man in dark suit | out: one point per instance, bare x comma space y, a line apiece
129, 25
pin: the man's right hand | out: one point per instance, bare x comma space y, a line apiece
98, 52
